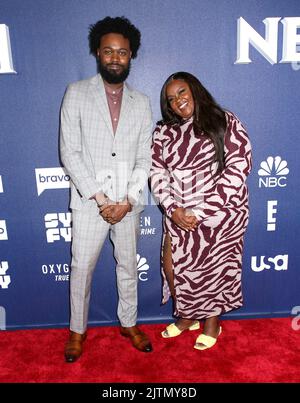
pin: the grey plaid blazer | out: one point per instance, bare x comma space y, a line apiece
97, 159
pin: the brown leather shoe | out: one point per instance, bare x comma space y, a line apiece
73, 349
138, 338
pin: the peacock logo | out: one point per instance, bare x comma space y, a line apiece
142, 267
276, 165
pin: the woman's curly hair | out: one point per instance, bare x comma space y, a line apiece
117, 25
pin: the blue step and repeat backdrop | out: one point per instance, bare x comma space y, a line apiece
246, 52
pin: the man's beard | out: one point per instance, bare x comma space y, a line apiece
112, 76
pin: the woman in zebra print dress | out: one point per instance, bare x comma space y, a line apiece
201, 158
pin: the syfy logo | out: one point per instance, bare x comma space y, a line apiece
58, 226
6, 61
51, 178
142, 268
4, 278
267, 46
3, 231
279, 262
273, 166
1, 185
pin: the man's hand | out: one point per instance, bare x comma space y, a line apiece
114, 212
185, 222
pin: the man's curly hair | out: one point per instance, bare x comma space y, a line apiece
117, 25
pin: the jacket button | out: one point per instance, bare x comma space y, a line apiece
113, 154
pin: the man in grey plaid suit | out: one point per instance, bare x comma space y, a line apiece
105, 144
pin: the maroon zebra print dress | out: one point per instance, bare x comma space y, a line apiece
207, 262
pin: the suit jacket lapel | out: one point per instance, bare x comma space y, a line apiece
126, 105
98, 92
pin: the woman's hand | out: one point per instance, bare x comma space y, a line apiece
185, 222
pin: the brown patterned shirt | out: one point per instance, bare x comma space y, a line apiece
114, 100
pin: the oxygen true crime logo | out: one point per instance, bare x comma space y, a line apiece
58, 271
146, 227
61, 272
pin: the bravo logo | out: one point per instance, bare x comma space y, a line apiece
279, 262
3, 231
6, 62
268, 46
273, 172
51, 178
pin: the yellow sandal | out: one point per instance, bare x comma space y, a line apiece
173, 331
208, 341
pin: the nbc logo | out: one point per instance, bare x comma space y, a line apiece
273, 172
142, 267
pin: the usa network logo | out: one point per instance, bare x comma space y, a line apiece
273, 172
51, 178
278, 263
